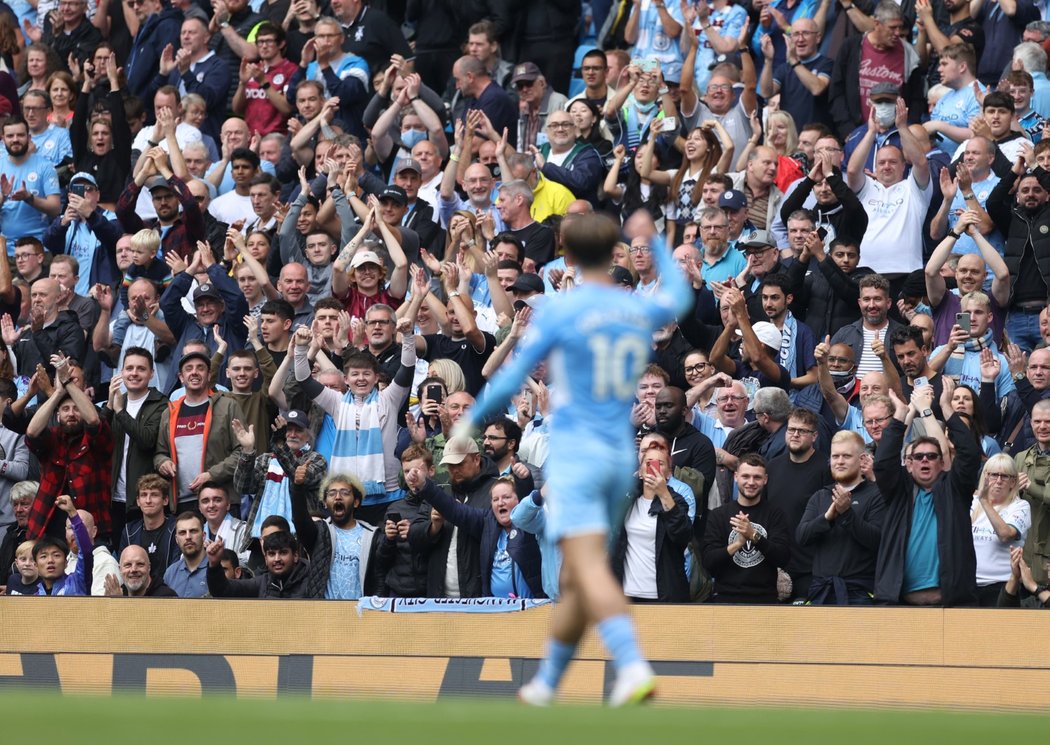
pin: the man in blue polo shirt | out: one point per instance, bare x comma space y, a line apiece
720, 260
188, 575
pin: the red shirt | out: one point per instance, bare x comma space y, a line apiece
77, 466
877, 66
358, 303
259, 114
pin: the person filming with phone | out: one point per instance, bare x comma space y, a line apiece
971, 352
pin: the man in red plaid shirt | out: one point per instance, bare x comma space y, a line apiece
74, 459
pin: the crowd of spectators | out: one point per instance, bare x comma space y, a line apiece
264, 254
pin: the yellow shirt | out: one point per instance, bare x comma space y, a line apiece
549, 198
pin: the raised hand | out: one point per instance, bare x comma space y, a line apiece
245, 437
214, 551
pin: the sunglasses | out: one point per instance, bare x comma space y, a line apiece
930, 457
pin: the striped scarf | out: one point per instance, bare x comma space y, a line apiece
358, 447
276, 499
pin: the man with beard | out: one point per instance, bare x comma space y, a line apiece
195, 443
454, 568
1023, 224
798, 473
720, 260
287, 574
912, 356
266, 478
139, 581
874, 325
180, 232
689, 447
380, 322
342, 545
500, 441
187, 576
50, 331
841, 528
74, 457
745, 541
29, 192
401, 571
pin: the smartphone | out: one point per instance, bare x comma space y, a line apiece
920, 382
434, 393
670, 124
79, 188
962, 320
394, 517
652, 469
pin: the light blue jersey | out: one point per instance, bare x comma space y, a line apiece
597, 340
54, 144
18, 219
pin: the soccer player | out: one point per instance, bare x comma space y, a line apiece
598, 340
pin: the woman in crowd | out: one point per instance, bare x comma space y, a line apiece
648, 559
782, 136
1000, 521
62, 90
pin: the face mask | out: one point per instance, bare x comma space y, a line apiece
885, 113
493, 169
412, 137
843, 380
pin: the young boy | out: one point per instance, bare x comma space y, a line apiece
601, 337
1019, 85
144, 263
26, 581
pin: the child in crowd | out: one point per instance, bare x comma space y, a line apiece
145, 262
25, 581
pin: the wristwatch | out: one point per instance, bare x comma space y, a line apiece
795, 64
968, 196
152, 143
925, 413
454, 293
265, 85
1018, 377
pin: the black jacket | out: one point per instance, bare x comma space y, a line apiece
673, 533
691, 448
169, 549
142, 431
847, 547
952, 496
474, 493
846, 217
482, 526
1021, 226
36, 347
825, 294
402, 571
750, 575
263, 585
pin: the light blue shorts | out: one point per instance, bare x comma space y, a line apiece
587, 487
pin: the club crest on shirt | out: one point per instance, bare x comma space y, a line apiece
749, 556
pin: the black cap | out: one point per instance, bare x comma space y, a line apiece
207, 290
621, 276
195, 356
298, 418
527, 282
394, 192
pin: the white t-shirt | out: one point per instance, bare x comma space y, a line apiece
231, 207
639, 565
993, 556
120, 491
893, 241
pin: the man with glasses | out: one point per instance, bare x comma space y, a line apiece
798, 472
594, 71
500, 442
723, 106
71, 33
926, 555
562, 159
50, 140
879, 56
29, 190
262, 86
29, 258
159, 27
803, 80
536, 102
642, 261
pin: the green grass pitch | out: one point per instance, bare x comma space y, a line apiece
27, 716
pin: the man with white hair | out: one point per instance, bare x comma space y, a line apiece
515, 202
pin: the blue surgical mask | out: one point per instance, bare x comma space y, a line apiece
411, 137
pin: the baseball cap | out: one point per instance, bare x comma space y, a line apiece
884, 92
207, 290
394, 192
457, 449
621, 276
525, 71
757, 239
732, 199
365, 257
408, 164
767, 333
527, 282
298, 418
158, 182
195, 356
85, 176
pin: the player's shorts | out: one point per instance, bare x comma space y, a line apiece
587, 487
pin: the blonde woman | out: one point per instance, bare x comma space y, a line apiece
782, 136
1000, 520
